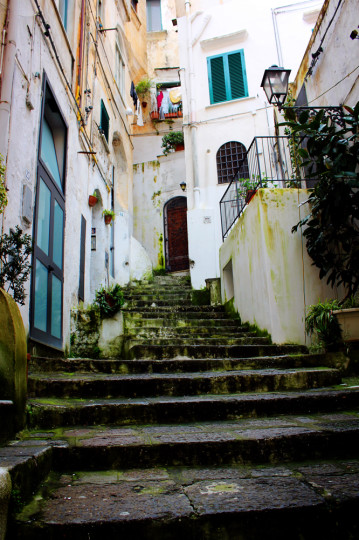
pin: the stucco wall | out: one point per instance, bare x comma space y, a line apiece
273, 277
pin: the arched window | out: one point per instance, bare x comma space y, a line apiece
229, 159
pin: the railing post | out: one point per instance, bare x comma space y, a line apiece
258, 162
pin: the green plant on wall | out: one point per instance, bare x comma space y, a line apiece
15, 249
143, 87
331, 227
109, 300
171, 140
3, 194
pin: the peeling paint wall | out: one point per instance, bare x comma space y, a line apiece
273, 276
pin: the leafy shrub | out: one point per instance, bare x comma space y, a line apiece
321, 321
3, 194
109, 300
171, 140
15, 249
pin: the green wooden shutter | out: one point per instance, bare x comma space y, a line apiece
237, 74
217, 83
105, 120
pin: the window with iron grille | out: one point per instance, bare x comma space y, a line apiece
105, 121
231, 157
227, 77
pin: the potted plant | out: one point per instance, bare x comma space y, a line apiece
143, 89
93, 199
348, 318
155, 115
322, 322
109, 300
173, 141
109, 215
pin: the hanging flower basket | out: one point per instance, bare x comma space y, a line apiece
93, 200
108, 215
108, 220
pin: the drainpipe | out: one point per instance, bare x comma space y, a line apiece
81, 52
7, 74
192, 109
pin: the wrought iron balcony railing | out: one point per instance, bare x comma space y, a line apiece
268, 162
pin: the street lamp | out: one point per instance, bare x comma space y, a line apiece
183, 185
275, 85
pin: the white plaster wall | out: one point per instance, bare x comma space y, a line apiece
155, 183
273, 277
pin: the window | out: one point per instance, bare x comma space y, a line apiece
120, 71
105, 121
153, 8
134, 4
63, 10
231, 156
227, 77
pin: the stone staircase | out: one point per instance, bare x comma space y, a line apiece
203, 429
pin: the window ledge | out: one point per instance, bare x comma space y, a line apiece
156, 36
224, 41
247, 98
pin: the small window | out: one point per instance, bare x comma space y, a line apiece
63, 10
120, 71
154, 23
105, 121
227, 77
231, 158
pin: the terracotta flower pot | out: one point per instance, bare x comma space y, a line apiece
92, 200
179, 147
108, 220
154, 115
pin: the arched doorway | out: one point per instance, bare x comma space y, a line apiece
176, 238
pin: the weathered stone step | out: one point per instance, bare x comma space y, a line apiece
163, 304
198, 341
295, 501
245, 441
85, 365
191, 331
212, 351
185, 311
177, 320
159, 295
54, 413
88, 385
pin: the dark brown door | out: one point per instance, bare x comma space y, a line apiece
176, 238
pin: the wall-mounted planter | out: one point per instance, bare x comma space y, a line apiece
349, 323
93, 200
179, 147
108, 219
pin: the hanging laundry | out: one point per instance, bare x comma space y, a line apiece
159, 99
133, 94
166, 102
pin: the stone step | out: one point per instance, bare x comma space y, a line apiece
164, 304
189, 309
197, 341
190, 365
159, 295
243, 441
293, 501
53, 413
158, 352
191, 331
135, 320
89, 385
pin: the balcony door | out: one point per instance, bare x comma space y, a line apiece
49, 224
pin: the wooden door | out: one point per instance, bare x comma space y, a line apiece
176, 237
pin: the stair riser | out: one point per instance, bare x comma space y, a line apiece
136, 321
297, 447
185, 411
190, 332
194, 341
77, 365
177, 386
208, 351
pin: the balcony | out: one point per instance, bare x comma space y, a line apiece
267, 163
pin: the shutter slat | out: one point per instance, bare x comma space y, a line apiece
238, 87
218, 80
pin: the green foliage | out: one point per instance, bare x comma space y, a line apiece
109, 213
321, 321
331, 228
171, 140
15, 249
3, 194
109, 300
351, 302
143, 87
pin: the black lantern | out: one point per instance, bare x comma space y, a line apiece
183, 186
275, 84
